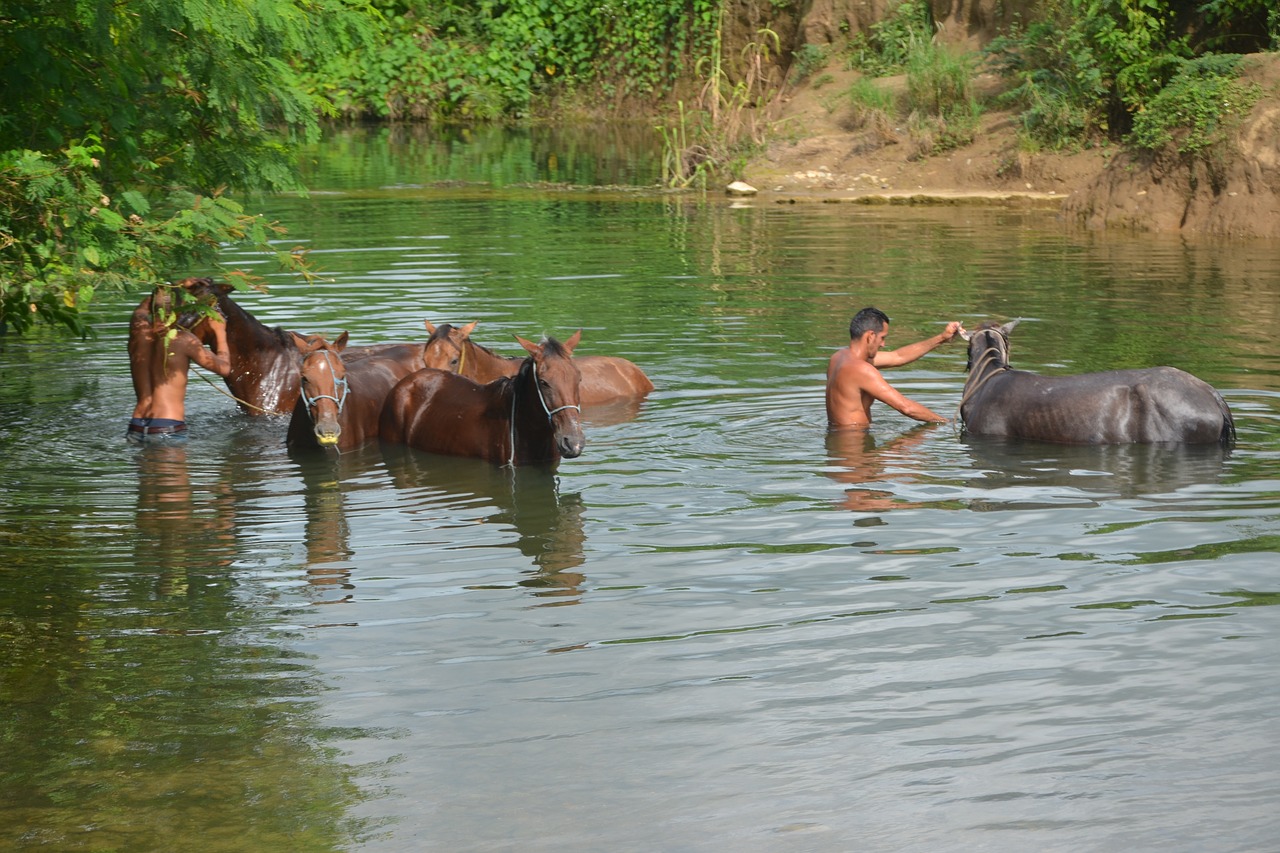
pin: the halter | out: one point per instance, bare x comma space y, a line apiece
511, 460
339, 386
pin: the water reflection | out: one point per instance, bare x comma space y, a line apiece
329, 479
549, 526
855, 457
181, 527
1126, 470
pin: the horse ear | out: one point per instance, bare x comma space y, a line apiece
965, 334
466, 330
431, 330
341, 343
530, 346
573, 341
1009, 326
299, 341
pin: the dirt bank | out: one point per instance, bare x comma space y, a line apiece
817, 153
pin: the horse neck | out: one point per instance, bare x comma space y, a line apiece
247, 335
530, 430
485, 365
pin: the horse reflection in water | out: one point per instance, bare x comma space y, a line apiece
1080, 472
328, 484
853, 457
548, 525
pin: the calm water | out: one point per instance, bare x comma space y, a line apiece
718, 629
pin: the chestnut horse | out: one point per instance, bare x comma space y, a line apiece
532, 417
340, 401
265, 361
605, 379
1148, 406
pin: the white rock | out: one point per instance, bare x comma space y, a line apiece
740, 188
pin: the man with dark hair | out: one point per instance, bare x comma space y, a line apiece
166, 333
854, 381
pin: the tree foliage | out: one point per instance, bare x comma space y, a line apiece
125, 126
490, 59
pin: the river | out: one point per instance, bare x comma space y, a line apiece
720, 628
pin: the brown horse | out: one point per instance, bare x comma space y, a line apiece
266, 361
340, 401
532, 417
1149, 406
606, 379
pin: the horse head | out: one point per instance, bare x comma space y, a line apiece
324, 384
555, 379
446, 349
988, 345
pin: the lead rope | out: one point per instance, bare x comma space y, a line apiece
511, 460
222, 390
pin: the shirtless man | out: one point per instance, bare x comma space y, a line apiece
854, 382
159, 367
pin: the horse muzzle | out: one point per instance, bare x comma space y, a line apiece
571, 445
328, 438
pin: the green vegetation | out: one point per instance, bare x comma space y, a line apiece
1194, 111
1088, 71
123, 126
940, 109
491, 59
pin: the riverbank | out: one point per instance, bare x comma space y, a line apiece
817, 152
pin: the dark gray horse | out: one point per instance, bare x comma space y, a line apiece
1150, 405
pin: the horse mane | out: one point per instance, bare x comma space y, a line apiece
994, 328
281, 337
553, 347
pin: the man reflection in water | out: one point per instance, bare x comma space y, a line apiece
856, 461
854, 381
166, 333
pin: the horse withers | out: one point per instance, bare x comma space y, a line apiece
606, 379
340, 401
532, 417
1149, 405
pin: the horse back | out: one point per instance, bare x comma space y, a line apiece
1150, 405
608, 379
442, 412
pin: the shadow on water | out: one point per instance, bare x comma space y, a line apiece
1091, 471
549, 526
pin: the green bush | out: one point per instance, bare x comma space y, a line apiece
1197, 108
891, 42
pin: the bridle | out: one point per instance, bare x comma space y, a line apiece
511, 459
340, 387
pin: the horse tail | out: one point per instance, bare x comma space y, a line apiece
1228, 435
